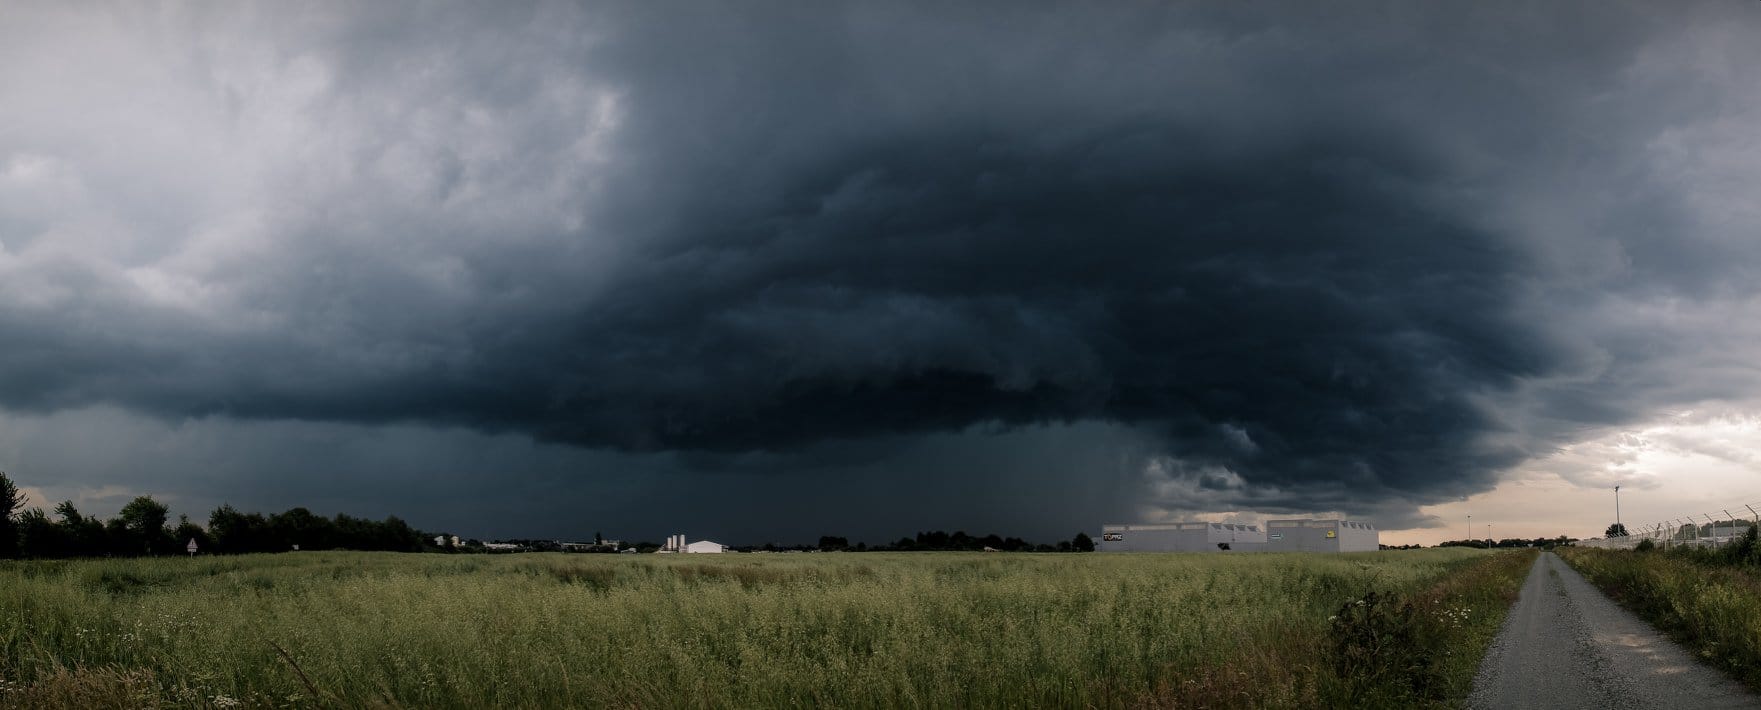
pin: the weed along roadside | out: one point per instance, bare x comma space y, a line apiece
1707, 600
1389, 651
942, 629
1388, 645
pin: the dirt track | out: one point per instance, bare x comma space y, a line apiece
1566, 645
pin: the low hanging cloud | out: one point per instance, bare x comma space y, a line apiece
1356, 258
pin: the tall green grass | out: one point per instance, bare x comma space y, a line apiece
1712, 606
868, 630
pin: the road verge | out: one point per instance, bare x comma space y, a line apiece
1711, 608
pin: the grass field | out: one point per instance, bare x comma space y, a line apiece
1713, 608
862, 630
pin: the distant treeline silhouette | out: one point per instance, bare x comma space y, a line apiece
1546, 542
143, 528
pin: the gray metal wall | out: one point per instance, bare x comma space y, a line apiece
1182, 537
1359, 536
1305, 535
1291, 535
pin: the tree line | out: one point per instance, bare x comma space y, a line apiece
143, 528
1543, 542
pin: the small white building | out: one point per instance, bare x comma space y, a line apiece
705, 547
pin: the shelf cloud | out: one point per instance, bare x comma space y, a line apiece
1359, 258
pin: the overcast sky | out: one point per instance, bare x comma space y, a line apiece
769, 271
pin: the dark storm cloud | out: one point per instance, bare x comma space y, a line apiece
1359, 257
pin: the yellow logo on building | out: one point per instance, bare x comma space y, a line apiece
1332, 534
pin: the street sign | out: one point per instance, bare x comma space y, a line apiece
191, 547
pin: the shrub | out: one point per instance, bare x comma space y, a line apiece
1377, 644
1744, 551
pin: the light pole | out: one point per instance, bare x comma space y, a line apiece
1617, 525
1488, 536
1470, 527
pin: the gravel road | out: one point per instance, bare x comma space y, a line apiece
1566, 645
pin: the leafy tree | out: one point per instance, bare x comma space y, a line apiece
69, 514
85, 536
299, 526
1615, 530
144, 520
397, 536
11, 501
117, 540
40, 537
234, 532
1083, 543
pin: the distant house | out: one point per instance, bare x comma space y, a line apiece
706, 546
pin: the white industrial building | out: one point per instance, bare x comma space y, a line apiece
1291, 535
677, 544
1183, 537
1304, 535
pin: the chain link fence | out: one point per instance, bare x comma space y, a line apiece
1710, 529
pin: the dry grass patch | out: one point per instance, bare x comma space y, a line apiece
845, 630
84, 689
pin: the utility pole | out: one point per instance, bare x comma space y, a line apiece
1617, 524
1470, 527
